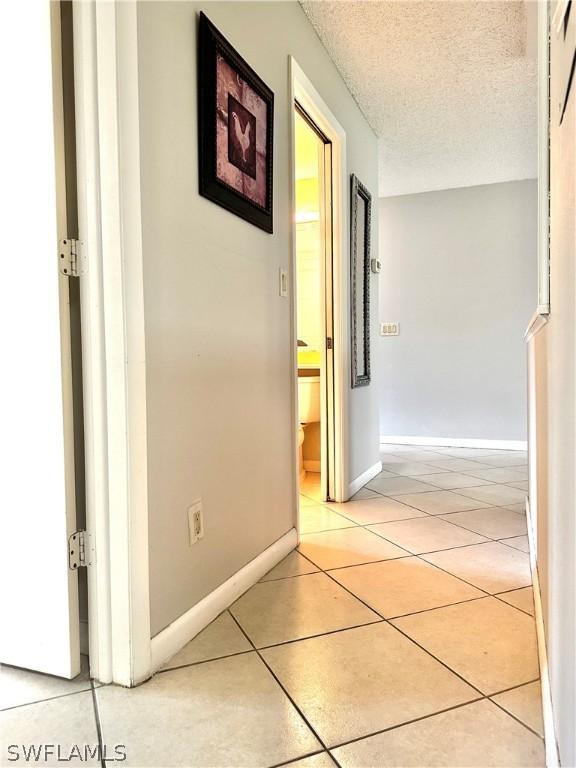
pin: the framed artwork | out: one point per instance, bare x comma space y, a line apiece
236, 127
360, 232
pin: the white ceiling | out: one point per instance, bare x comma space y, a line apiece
448, 87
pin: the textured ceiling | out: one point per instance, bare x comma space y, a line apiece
448, 87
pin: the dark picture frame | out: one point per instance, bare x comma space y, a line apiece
360, 235
235, 130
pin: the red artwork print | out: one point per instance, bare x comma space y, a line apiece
241, 130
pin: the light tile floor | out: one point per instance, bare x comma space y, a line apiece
400, 634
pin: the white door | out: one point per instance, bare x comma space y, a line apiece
40, 623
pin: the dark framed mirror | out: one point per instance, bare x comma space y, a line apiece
360, 227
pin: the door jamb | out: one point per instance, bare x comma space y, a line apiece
303, 92
113, 342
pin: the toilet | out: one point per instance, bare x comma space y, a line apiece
308, 406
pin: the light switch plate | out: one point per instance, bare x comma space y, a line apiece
389, 329
283, 282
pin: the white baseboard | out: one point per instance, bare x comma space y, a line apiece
172, 639
456, 442
364, 478
551, 746
310, 465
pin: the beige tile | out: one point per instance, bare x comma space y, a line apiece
398, 587
490, 644
440, 502
388, 471
21, 686
478, 735
322, 760
224, 713
525, 703
495, 522
366, 493
450, 481
522, 486
314, 519
411, 468
356, 682
518, 542
458, 465
426, 534
307, 502
414, 453
492, 567
389, 486
289, 609
409, 452
379, 510
391, 458
220, 638
64, 722
520, 598
350, 546
310, 486
292, 565
520, 508
495, 495
500, 474
468, 453
507, 460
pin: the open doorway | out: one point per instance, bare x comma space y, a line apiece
320, 295
314, 308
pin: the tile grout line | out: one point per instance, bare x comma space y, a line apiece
513, 716
302, 757
288, 696
387, 621
98, 725
48, 698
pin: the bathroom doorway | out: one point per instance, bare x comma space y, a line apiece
320, 296
314, 308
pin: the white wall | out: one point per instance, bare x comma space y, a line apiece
459, 275
309, 276
217, 332
555, 417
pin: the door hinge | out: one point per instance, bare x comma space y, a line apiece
71, 258
80, 550
329, 343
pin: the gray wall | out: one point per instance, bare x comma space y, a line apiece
459, 275
217, 332
556, 417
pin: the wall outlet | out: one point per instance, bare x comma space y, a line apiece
389, 329
195, 522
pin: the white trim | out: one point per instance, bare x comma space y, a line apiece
364, 478
302, 90
311, 465
106, 82
456, 442
93, 359
537, 322
550, 742
543, 159
170, 640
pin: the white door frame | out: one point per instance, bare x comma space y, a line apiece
303, 92
113, 343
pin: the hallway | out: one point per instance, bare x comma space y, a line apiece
401, 634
